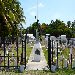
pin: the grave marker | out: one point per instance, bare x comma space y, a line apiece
65, 63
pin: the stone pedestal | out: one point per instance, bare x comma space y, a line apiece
37, 52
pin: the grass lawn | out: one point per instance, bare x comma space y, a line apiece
41, 72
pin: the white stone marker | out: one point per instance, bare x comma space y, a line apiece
65, 63
22, 68
63, 38
71, 50
73, 65
53, 68
55, 52
15, 62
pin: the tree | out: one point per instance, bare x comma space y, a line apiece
43, 28
57, 27
11, 16
69, 24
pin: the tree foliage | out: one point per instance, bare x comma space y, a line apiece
56, 28
11, 17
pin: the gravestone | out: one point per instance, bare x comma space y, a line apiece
37, 49
71, 50
53, 38
55, 52
73, 65
65, 63
21, 68
6, 52
46, 42
74, 43
63, 38
53, 68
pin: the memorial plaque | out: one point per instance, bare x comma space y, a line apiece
37, 52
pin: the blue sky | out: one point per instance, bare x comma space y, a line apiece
48, 10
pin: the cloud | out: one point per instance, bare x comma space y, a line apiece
40, 5
33, 10
32, 13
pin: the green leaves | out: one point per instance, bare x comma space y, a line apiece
12, 15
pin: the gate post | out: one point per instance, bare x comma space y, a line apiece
52, 51
57, 54
4, 51
17, 51
22, 52
49, 52
8, 60
25, 48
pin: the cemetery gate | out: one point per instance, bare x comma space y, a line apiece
56, 55
12, 55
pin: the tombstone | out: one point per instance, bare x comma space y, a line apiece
37, 49
65, 63
63, 38
53, 68
55, 52
73, 65
6, 52
74, 44
55, 44
46, 40
71, 50
54, 41
53, 38
21, 68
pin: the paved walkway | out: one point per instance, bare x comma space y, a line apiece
37, 65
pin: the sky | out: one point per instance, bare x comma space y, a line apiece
48, 10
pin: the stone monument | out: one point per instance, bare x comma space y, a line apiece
37, 52
37, 48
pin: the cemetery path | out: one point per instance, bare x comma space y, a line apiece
42, 65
